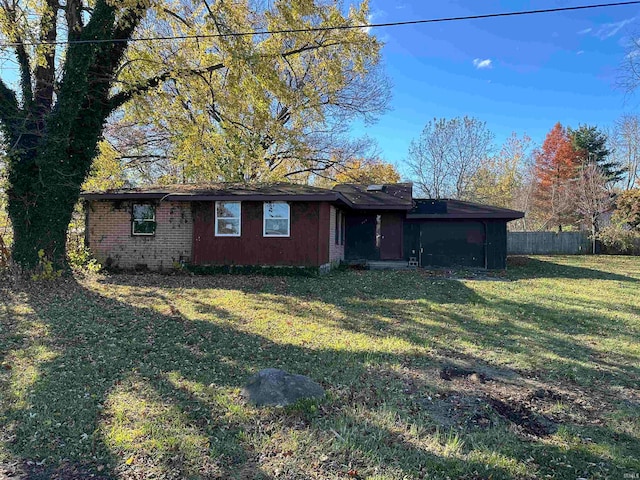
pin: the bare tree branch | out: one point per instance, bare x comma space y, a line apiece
22, 56
124, 96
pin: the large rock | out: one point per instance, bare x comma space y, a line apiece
274, 387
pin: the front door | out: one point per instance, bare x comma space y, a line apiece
391, 226
360, 241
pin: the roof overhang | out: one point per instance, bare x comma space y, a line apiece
467, 216
196, 197
378, 207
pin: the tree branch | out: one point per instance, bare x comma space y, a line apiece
124, 96
21, 55
73, 16
9, 110
45, 71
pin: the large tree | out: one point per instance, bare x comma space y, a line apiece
447, 155
592, 198
628, 208
359, 170
591, 146
282, 108
500, 177
555, 173
54, 118
625, 143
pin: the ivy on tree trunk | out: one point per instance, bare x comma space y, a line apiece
52, 140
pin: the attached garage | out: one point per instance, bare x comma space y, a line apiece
452, 233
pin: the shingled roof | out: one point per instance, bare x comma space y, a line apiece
396, 196
219, 191
457, 209
383, 197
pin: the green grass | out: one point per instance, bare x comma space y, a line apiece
139, 376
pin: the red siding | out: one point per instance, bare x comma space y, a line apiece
307, 245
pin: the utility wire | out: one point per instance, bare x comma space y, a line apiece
322, 29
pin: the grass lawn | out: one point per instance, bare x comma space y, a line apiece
533, 375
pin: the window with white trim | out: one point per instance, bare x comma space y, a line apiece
277, 219
228, 219
143, 219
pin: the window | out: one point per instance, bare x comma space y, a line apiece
228, 219
276, 219
143, 219
343, 229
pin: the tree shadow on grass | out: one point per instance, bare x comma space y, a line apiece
149, 361
535, 268
438, 315
123, 375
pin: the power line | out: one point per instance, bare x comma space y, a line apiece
323, 29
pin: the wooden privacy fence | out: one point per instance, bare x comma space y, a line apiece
548, 243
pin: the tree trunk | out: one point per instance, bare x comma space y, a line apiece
40, 214
43, 227
593, 239
44, 186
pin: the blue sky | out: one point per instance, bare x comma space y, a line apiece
519, 74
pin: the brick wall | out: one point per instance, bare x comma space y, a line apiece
336, 252
110, 239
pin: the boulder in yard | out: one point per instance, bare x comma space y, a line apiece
275, 387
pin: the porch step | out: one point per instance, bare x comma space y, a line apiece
389, 265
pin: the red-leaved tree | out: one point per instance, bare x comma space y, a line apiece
555, 173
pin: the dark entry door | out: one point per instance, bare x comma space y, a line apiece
360, 243
447, 244
391, 227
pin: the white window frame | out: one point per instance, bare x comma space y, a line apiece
239, 218
264, 220
133, 221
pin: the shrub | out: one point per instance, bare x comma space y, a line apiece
616, 239
45, 269
80, 258
252, 270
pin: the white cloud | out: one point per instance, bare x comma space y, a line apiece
479, 63
585, 31
610, 29
579, 52
369, 21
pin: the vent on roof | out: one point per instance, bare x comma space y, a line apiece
375, 188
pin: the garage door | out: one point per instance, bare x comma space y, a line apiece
448, 244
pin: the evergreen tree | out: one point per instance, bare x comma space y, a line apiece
590, 143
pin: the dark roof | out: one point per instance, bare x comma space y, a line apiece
396, 196
457, 209
219, 191
386, 197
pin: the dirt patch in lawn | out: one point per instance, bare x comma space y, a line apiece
450, 372
460, 411
491, 396
523, 417
482, 412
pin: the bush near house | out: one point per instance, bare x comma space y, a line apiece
529, 374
